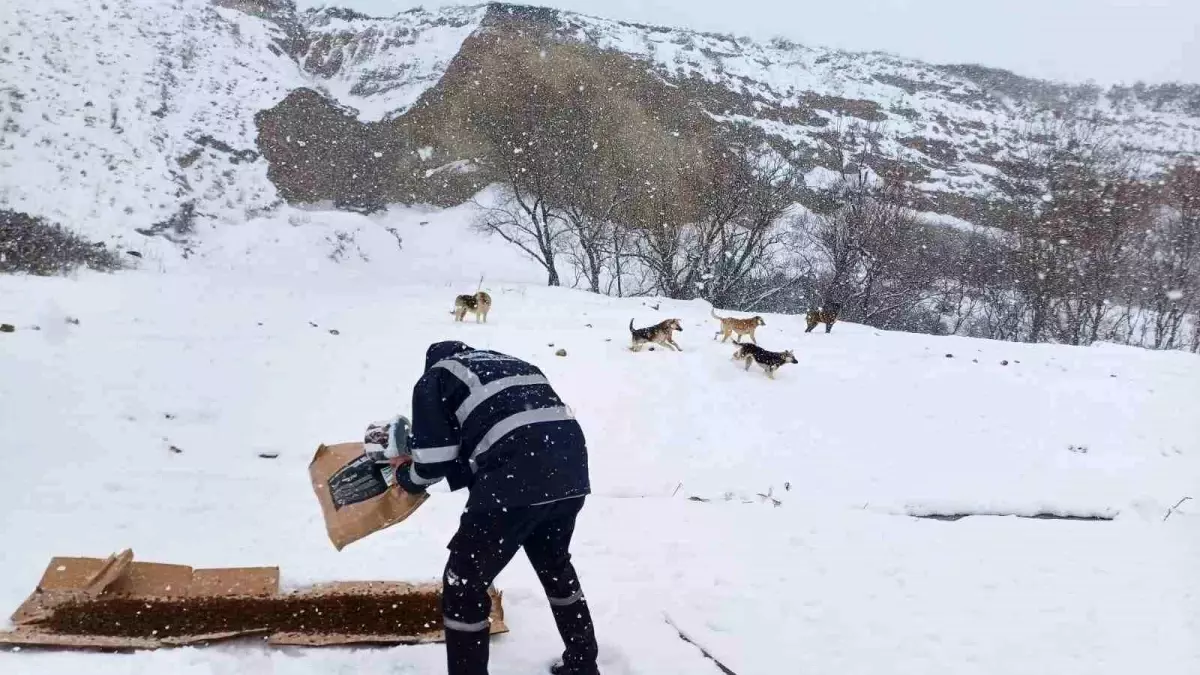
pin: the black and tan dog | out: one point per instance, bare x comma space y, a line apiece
827, 314
662, 333
770, 361
479, 304
737, 327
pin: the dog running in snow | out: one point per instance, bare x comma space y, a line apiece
478, 304
737, 327
770, 361
661, 333
827, 314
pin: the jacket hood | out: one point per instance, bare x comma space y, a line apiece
443, 350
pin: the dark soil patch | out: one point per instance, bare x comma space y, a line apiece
360, 614
951, 517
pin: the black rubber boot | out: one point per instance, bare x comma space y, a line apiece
467, 653
563, 669
574, 623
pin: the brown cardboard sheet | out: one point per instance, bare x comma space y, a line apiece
119, 604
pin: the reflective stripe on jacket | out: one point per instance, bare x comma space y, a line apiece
492, 423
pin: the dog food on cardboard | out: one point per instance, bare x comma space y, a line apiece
356, 497
119, 604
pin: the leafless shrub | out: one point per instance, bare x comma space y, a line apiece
526, 220
876, 259
1167, 267
718, 232
33, 246
1087, 249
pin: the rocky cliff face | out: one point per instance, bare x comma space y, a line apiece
146, 115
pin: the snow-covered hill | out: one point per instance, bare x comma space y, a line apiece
136, 118
955, 129
117, 115
237, 354
380, 67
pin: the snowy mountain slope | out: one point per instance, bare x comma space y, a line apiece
125, 116
117, 115
954, 129
222, 360
381, 67
910, 100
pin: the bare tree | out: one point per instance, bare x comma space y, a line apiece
522, 131
878, 261
1074, 210
599, 186
1106, 223
740, 238
716, 231
571, 159
619, 249
1169, 270
525, 219
539, 133
659, 220
972, 264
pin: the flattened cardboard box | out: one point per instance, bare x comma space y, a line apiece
79, 601
356, 500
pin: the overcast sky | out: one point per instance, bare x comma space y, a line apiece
1075, 40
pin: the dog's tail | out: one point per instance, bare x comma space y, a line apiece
713, 311
631, 325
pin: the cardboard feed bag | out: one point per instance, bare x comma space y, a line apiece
357, 499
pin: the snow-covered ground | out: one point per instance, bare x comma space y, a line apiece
219, 358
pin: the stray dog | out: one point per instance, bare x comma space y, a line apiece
826, 315
737, 327
770, 361
478, 304
660, 333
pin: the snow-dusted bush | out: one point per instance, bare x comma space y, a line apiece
34, 246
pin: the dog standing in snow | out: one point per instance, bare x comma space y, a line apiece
478, 304
770, 361
661, 333
827, 314
737, 327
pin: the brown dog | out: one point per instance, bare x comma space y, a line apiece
770, 361
737, 327
828, 315
662, 333
478, 304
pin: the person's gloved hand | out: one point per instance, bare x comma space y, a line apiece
376, 440
387, 440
